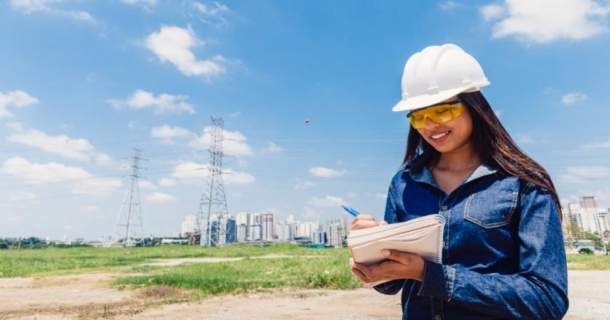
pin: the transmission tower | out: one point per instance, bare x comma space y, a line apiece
128, 230
213, 213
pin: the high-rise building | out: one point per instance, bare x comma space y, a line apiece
241, 226
335, 233
189, 225
241, 232
254, 219
284, 231
241, 218
319, 237
231, 231
267, 224
588, 217
254, 232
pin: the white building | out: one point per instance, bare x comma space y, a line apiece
335, 232
588, 217
267, 226
284, 231
189, 225
254, 232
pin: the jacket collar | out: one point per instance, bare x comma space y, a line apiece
425, 176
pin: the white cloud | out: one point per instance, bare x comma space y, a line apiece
47, 6
233, 143
167, 133
272, 148
42, 173
491, 12
212, 14
597, 145
146, 185
15, 126
582, 174
311, 213
141, 2
81, 15
304, 185
549, 90
52, 172
29, 6
543, 21
448, 5
159, 197
22, 196
105, 160
188, 171
326, 172
165, 182
197, 174
174, 44
16, 98
163, 103
381, 196
231, 176
78, 149
89, 208
328, 201
97, 186
589, 171
525, 139
213, 10
573, 98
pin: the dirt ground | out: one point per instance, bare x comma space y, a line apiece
88, 296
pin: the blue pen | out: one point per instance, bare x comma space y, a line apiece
351, 211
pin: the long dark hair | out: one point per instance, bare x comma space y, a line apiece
492, 144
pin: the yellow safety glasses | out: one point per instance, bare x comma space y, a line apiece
438, 113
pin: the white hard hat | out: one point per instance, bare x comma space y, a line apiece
438, 73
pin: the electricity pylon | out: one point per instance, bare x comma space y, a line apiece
129, 229
213, 212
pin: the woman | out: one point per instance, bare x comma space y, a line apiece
503, 253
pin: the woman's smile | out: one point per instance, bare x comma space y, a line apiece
439, 137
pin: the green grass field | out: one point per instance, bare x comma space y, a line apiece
304, 268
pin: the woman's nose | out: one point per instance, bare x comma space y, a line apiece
429, 123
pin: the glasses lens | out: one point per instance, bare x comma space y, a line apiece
440, 113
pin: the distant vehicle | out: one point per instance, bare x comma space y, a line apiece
585, 251
585, 246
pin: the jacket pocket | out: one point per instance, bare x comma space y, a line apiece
491, 208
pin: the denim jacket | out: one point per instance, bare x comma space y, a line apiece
503, 251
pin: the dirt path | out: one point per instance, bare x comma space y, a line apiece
88, 296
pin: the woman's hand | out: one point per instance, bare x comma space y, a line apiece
363, 221
399, 265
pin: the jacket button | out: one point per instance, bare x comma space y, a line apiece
444, 208
437, 317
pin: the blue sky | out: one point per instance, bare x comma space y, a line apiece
83, 82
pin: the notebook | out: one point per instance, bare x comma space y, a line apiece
422, 235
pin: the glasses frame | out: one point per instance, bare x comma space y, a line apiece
450, 103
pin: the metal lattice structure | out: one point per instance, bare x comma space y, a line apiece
129, 230
213, 212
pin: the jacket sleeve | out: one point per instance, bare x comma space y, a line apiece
537, 290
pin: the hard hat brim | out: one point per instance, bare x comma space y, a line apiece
426, 100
